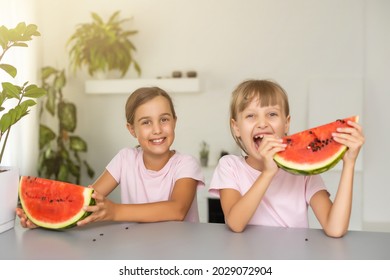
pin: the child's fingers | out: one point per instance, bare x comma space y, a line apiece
97, 196
354, 124
20, 213
274, 145
352, 136
30, 224
346, 139
353, 129
26, 223
92, 208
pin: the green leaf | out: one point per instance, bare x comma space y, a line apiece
4, 37
12, 116
11, 90
60, 81
11, 70
20, 28
51, 101
5, 122
63, 153
63, 173
74, 169
35, 92
32, 30
46, 135
28, 103
46, 72
137, 68
20, 45
67, 116
97, 18
76, 143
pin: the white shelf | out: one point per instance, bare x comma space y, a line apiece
126, 86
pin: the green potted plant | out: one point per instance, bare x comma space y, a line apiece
103, 46
204, 154
19, 99
60, 153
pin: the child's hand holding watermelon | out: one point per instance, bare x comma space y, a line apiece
24, 221
353, 138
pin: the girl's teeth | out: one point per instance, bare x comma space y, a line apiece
157, 140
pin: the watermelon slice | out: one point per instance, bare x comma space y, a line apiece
53, 204
313, 151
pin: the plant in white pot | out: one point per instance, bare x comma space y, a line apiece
103, 46
15, 102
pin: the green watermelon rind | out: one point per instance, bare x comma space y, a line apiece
88, 201
313, 170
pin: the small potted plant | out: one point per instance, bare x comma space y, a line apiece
19, 99
204, 154
103, 46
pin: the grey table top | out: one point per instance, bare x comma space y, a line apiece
188, 241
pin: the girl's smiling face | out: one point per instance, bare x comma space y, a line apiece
255, 122
154, 126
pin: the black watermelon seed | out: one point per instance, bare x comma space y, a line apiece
101, 234
94, 240
306, 239
127, 227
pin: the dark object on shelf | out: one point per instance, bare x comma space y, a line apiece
191, 74
176, 74
215, 211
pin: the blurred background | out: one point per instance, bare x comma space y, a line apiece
332, 57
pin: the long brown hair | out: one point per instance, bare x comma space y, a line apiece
141, 96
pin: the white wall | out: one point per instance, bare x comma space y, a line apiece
377, 127
227, 41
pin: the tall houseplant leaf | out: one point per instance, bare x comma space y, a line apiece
23, 95
59, 155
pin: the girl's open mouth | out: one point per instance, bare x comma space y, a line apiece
257, 139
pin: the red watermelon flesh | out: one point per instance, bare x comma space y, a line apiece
53, 204
313, 151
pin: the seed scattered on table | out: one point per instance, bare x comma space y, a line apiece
94, 240
306, 239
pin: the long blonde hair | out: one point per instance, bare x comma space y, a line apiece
267, 92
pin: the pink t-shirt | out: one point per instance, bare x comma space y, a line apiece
286, 200
140, 185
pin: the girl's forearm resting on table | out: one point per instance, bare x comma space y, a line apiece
239, 210
150, 212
